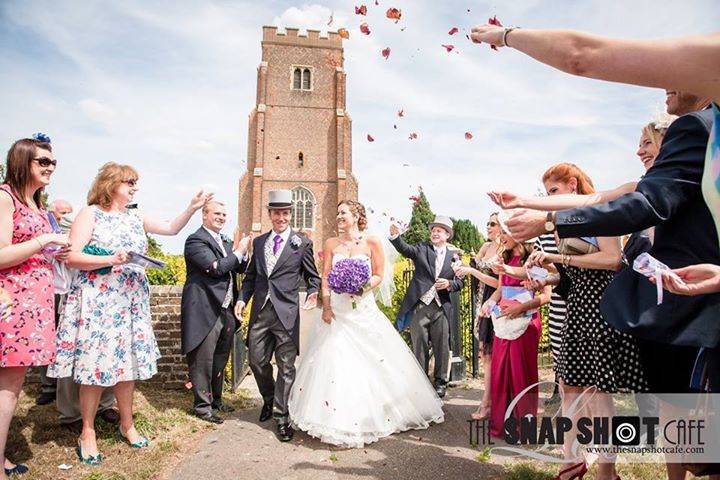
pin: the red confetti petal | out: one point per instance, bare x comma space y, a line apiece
343, 33
370, 138
386, 53
364, 28
361, 10
453, 31
188, 385
449, 48
393, 14
468, 136
401, 112
413, 136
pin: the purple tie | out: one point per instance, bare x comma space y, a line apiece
276, 247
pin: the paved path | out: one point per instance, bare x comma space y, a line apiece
243, 448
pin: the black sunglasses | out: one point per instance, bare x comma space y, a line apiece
492, 224
45, 162
130, 183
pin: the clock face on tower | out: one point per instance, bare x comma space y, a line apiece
299, 133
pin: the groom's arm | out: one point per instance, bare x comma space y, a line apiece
309, 270
406, 250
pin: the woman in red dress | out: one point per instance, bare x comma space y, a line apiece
514, 358
27, 241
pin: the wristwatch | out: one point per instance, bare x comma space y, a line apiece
549, 223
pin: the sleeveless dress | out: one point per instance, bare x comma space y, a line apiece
357, 380
484, 329
558, 309
105, 334
27, 338
514, 368
592, 352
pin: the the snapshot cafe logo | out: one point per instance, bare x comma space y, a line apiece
688, 428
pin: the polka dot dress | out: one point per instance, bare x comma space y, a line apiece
592, 352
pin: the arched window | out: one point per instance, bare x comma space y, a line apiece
303, 209
306, 84
297, 79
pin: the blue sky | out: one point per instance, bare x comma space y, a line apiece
167, 87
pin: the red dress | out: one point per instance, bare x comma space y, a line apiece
27, 338
513, 368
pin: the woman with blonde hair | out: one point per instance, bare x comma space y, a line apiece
105, 337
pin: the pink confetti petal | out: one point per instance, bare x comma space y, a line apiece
468, 136
449, 48
453, 31
361, 10
386, 53
370, 138
364, 28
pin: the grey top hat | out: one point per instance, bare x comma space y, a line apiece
279, 199
444, 222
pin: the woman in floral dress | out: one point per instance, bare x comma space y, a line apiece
27, 327
105, 336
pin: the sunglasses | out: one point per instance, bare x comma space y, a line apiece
130, 183
45, 162
492, 224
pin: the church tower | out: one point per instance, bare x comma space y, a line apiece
299, 135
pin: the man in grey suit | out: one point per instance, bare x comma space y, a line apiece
207, 322
427, 300
280, 259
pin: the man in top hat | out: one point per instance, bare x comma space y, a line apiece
280, 258
427, 301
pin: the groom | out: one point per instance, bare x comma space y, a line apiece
427, 301
280, 258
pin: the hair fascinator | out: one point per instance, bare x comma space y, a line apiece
41, 137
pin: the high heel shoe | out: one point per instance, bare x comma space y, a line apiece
142, 443
18, 469
581, 468
92, 460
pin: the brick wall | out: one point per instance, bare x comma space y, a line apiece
165, 308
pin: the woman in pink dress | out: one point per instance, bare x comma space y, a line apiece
27, 334
514, 361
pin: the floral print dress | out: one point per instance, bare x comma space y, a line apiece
105, 334
27, 337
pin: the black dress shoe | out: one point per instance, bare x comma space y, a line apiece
285, 432
45, 398
266, 412
110, 415
224, 408
210, 417
440, 389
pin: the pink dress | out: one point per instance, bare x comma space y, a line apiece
513, 368
27, 338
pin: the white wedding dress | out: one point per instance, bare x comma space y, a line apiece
357, 380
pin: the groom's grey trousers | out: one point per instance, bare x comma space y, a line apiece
265, 336
429, 326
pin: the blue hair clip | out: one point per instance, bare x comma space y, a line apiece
41, 137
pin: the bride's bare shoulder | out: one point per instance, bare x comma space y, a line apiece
331, 243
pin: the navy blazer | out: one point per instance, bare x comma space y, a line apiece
668, 197
423, 257
294, 262
209, 274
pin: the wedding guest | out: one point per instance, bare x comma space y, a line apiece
27, 241
105, 338
207, 320
593, 353
514, 360
59, 209
487, 282
427, 299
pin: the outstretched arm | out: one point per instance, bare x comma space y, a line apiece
560, 202
690, 64
173, 227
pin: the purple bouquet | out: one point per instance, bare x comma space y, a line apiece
349, 276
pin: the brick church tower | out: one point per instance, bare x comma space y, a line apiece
299, 135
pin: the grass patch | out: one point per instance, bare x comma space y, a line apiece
484, 456
163, 416
524, 471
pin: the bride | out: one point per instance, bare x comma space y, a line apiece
357, 380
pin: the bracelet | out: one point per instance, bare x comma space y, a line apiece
39, 243
506, 31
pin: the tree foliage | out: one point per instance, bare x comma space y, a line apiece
174, 272
422, 215
467, 236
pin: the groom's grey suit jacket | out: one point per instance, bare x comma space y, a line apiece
294, 262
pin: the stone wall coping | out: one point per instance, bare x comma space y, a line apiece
166, 289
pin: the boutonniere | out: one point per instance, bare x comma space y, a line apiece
225, 238
296, 241
456, 260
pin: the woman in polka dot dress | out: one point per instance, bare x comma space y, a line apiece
592, 353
